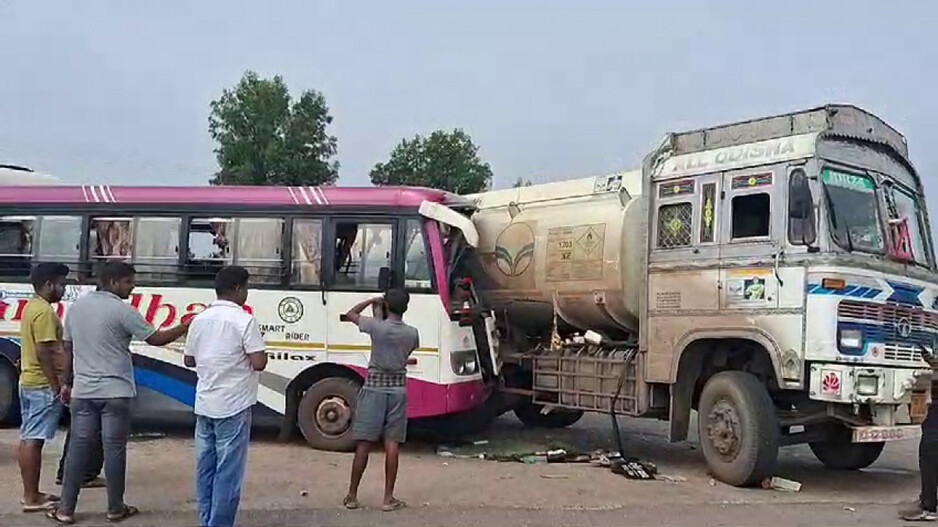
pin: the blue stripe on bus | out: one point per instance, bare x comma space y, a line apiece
179, 390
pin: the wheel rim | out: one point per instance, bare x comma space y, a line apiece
333, 416
723, 430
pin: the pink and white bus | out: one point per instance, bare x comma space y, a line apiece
313, 252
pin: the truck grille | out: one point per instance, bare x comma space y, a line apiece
902, 330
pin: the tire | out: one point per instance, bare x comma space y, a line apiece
738, 429
9, 398
325, 414
840, 455
457, 426
530, 414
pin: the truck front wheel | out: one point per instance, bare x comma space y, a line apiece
739, 431
531, 415
840, 455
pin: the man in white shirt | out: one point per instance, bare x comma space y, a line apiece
227, 350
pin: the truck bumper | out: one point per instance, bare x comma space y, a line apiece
878, 434
861, 384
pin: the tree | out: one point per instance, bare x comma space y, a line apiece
267, 138
448, 161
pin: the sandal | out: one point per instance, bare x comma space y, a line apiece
129, 510
49, 501
395, 505
53, 514
350, 503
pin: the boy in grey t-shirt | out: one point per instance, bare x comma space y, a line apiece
381, 411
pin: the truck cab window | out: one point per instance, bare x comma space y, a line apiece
751, 215
361, 251
674, 225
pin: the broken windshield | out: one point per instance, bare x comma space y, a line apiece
905, 225
853, 211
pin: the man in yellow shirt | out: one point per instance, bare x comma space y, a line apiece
40, 407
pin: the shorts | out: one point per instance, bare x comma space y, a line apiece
380, 414
40, 411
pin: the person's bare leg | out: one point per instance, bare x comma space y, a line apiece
392, 456
362, 450
30, 459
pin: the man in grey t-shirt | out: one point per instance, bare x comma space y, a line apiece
381, 409
100, 384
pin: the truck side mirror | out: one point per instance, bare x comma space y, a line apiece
801, 225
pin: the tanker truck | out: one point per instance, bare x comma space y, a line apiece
777, 276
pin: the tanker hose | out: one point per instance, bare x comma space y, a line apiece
612, 407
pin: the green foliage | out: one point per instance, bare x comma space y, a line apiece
522, 183
266, 138
448, 161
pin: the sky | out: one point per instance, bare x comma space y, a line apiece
118, 92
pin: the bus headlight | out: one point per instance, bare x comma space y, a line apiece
851, 339
464, 362
867, 385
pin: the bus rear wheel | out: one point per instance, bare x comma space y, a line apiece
325, 414
9, 402
738, 427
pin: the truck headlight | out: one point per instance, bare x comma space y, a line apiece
464, 362
867, 385
851, 339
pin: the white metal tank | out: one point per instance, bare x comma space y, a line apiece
17, 175
577, 245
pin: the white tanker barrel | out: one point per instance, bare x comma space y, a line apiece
576, 245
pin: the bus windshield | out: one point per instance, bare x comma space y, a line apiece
853, 211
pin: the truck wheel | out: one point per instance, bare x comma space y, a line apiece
325, 414
738, 428
9, 400
839, 455
530, 414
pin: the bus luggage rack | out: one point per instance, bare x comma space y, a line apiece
586, 377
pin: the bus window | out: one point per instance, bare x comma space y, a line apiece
416, 259
209, 247
111, 238
258, 248
59, 240
361, 250
16, 244
307, 260
156, 252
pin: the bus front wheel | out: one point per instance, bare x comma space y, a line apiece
325, 414
532, 415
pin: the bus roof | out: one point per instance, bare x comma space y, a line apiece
319, 197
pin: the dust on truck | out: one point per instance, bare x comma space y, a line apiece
775, 275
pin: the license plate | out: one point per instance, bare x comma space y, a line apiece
919, 407
878, 434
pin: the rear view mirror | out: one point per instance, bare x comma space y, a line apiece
384, 278
801, 225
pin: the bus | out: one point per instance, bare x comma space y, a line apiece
313, 253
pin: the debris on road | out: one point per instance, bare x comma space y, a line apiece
849, 509
781, 484
631, 468
555, 476
672, 479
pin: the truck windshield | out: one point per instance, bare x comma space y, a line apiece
905, 223
853, 211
